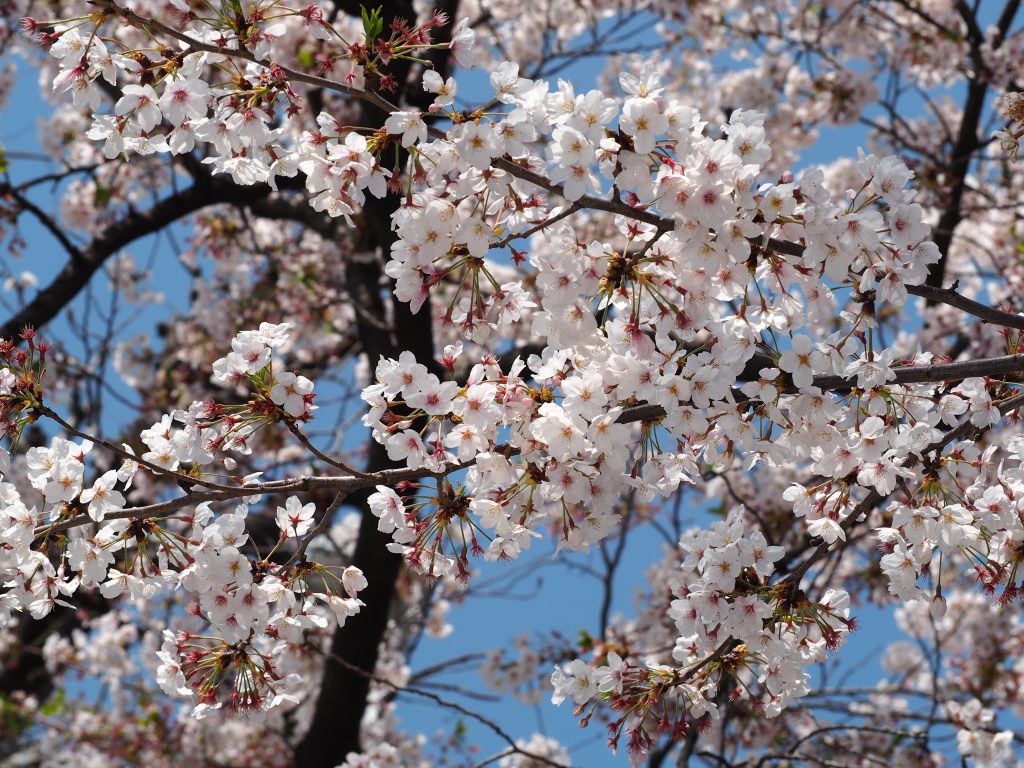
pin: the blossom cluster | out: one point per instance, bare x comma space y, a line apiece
253, 613
970, 516
61, 534
569, 467
167, 104
1009, 137
739, 635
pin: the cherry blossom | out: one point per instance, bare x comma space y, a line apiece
566, 313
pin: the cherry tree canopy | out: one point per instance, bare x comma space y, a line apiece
444, 275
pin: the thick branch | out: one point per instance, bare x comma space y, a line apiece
334, 729
916, 374
967, 137
340, 484
81, 267
46, 221
971, 307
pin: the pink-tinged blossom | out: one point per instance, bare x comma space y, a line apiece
295, 518
801, 361
291, 392
183, 100
142, 102
102, 498
408, 125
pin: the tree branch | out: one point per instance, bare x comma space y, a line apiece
81, 267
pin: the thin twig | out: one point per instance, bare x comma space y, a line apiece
497, 729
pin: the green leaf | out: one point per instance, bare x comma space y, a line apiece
101, 196
373, 22
150, 718
586, 640
55, 705
4, 166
